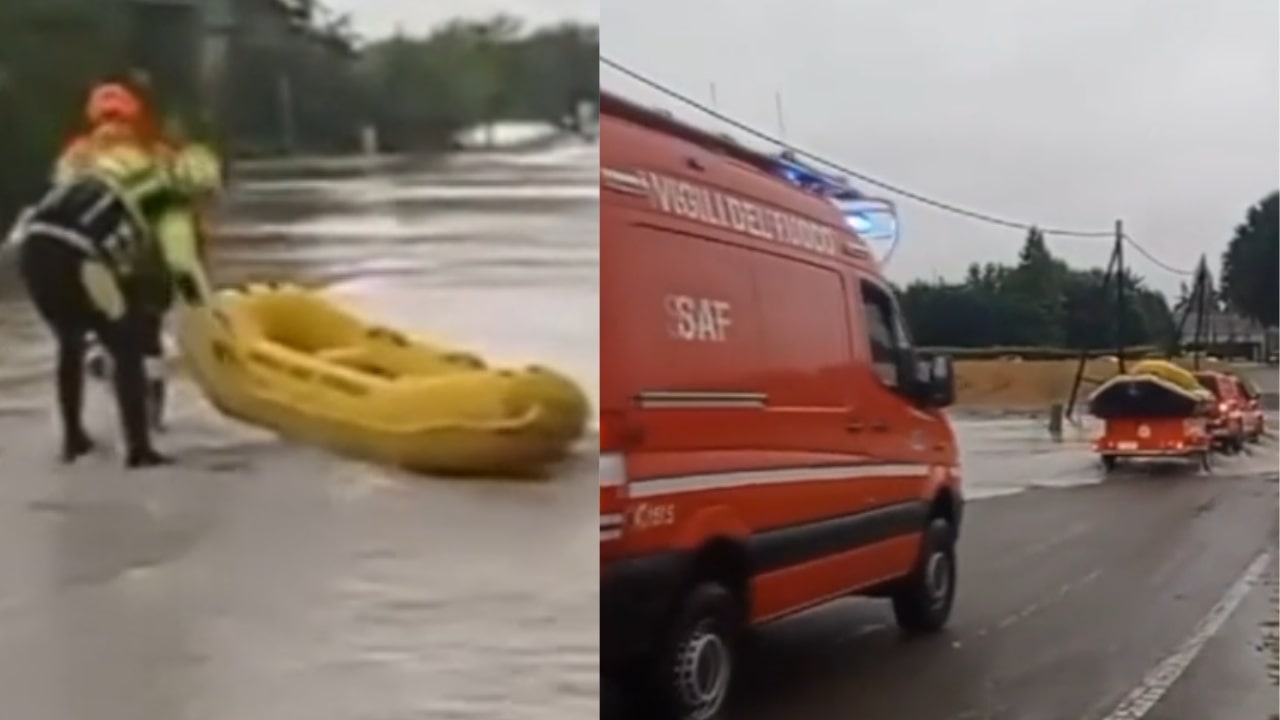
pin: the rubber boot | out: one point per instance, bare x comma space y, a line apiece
131, 397
75, 440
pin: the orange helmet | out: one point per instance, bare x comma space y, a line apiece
113, 102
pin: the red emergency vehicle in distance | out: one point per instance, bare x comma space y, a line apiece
1251, 412
1226, 421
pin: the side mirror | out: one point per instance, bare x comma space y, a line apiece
934, 381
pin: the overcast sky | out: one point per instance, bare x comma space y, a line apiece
1165, 114
380, 17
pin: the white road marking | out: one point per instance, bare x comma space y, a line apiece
1159, 679
1035, 607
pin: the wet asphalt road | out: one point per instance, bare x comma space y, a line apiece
1068, 598
1075, 590
262, 580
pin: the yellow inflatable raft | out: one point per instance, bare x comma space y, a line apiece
286, 359
1169, 372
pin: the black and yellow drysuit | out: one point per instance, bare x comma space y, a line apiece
103, 252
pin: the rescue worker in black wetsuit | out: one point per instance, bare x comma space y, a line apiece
115, 114
99, 254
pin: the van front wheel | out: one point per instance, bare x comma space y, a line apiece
697, 664
923, 603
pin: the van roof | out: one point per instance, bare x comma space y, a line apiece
665, 122
856, 251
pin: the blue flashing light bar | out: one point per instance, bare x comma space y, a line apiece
813, 180
872, 219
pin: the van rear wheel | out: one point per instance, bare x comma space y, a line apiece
923, 603
696, 667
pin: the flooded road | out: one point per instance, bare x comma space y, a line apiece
1007, 455
263, 580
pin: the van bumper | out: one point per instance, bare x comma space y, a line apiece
637, 596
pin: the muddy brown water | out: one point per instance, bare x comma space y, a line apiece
258, 579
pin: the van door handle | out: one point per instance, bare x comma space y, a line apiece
854, 427
879, 427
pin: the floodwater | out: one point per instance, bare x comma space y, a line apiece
258, 579
1005, 456
1015, 454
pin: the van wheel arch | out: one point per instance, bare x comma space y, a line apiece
945, 507
723, 561
714, 594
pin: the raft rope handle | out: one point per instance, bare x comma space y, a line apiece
389, 335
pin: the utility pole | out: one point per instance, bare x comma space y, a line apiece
1108, 277
782, 126
1120, 304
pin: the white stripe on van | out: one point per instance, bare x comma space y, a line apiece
773, 476
702, 399
627, 182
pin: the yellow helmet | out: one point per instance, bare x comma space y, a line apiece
196, 170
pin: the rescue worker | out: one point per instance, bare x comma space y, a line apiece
101, 251
115, 115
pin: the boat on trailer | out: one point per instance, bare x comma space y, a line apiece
1156, 411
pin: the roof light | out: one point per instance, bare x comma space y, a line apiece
874, 220
811, 179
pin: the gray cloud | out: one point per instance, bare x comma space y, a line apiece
1164, 114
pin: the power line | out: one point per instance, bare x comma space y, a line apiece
870, 180
896, 189
1155, 260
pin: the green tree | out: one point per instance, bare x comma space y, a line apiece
1036, 284
1251, 264
467, 73
1040, 301
50, 52
294, 78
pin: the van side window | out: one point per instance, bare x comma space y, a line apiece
885, 331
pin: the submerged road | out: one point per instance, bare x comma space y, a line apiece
260, 580
1150, 595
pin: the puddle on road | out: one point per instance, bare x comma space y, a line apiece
1006, 456
1011, 455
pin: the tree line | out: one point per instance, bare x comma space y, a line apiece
416, 90
1041, 302
292, 78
